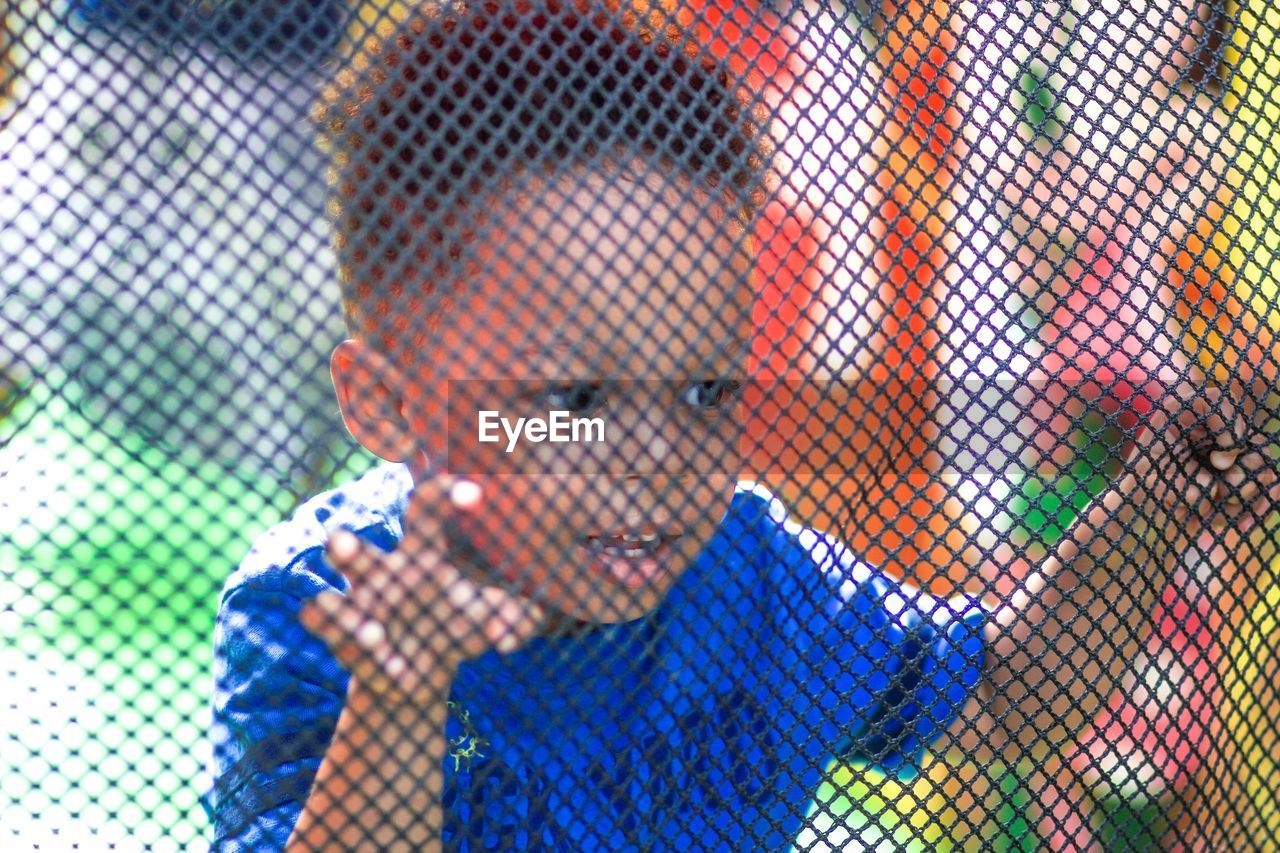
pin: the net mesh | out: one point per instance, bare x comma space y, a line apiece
763, 426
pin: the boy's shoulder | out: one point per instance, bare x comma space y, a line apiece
287, 557
792, 550
822, 548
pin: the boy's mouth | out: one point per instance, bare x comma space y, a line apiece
632, 559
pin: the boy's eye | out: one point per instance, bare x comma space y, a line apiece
580, 397
710, 393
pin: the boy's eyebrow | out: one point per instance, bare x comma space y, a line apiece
580, 348
721, 355
714, 359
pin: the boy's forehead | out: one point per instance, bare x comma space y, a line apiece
612, 272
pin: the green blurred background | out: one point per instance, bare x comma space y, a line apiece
142, 449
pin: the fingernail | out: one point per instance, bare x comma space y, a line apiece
342, 544
465, 493
1223, 459
371, 634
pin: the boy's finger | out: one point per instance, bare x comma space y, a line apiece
336, 610
1224, 460
349, 555
422, 519
432, 500
368, 655
529, 618
1226, 422
500, 617
1264, 506
512, 621
465, 494
310, 618
338, 621
319, 623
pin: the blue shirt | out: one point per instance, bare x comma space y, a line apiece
706, 726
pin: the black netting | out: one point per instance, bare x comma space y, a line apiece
763, 426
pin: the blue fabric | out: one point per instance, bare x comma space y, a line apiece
706, 726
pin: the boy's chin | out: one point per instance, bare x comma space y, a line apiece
609, 602
616, 606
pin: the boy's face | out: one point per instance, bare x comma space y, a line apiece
603, 299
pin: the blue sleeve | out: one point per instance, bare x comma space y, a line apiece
277, 696
886, 668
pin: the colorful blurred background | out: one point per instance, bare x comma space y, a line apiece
889, 261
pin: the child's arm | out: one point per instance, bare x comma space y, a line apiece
381, 778
408, 621
1060, 645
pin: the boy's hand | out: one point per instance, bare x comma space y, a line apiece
411, 616
1208, 455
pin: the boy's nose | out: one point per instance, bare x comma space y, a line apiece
645, 447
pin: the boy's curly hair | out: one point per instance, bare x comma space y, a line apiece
452, 104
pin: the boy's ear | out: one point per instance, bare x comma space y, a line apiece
370, 396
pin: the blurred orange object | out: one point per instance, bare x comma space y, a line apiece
1221, 329
9, 61
854, 456
895, 514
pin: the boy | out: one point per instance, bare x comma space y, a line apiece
618, 652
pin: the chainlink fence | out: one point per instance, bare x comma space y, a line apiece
791, 347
